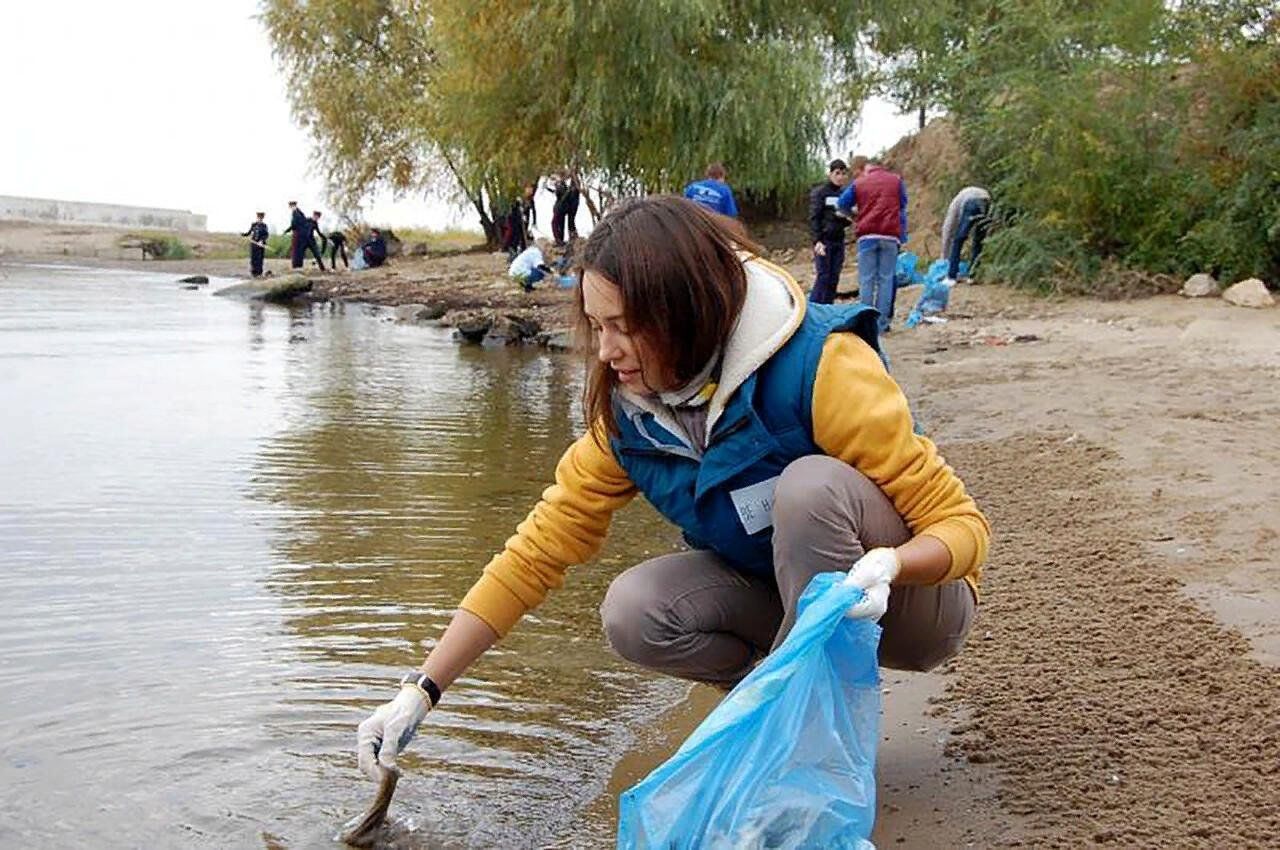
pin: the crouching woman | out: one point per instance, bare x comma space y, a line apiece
767, 429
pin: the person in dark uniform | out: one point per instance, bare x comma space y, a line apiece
516, 224
313, 230
529, 209
338, 248
565, 210
257, 234
298, 226
826, 228
374, 250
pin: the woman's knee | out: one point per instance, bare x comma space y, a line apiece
926, 625
921, 656
820, 485
809, 485
628, 615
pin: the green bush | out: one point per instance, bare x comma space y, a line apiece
173, 248
278, 244
1120, 157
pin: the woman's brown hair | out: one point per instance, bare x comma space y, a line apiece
682, 282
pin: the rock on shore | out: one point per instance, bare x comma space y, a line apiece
281, 290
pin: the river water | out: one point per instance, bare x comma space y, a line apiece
225, 530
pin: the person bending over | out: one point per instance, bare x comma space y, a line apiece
722, 396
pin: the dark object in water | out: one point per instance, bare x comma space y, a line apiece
195, 278
363, 832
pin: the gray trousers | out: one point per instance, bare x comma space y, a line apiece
692, 615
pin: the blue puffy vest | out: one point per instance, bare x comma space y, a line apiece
723, 501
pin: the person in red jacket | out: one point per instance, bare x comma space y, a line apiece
877, 202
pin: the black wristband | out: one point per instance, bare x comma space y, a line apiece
422, 680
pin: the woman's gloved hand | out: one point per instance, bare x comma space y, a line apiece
873, 572
386, 732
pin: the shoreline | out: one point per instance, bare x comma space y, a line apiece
453, 288
468, 291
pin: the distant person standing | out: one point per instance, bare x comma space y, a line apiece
564, 213
713, 192
968, 214
298, 226
826, 228
257, 234
877, 201
519, 218
528, 210
313, 230
338, 248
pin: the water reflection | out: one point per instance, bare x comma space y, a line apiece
226, 529
405, 464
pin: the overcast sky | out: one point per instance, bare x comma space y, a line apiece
180, 104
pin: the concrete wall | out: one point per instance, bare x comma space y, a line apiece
77, 212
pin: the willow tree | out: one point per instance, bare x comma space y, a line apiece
361, 79
641, 96
633, 97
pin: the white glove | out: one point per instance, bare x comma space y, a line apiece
873, 572
383, 734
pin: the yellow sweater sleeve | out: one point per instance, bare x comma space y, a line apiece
861, 416
567, 526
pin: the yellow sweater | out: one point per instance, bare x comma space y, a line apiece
570, 522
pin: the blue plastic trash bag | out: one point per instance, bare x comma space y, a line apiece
937, 292
906, 272
787, 760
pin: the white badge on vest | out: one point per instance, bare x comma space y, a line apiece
754, 504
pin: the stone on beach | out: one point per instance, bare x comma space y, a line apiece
1200, 286
1249, 293
277, 291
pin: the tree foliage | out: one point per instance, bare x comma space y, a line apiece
1137, 133
360, 74
1114, 133
632, 97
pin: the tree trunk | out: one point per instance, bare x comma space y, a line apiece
475, 195
591, 206
490, 228
921, 114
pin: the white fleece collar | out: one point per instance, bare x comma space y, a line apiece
773, 309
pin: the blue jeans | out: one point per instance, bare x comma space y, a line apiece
877, 262
973, 219
827, 272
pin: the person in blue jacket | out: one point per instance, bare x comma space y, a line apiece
767, 430
713, 192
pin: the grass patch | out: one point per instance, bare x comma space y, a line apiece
157, 245
451, 239
278, 245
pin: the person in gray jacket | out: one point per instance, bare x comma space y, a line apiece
968, 214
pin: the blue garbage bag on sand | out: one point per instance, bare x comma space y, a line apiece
936, 293
906, 272
787, 760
